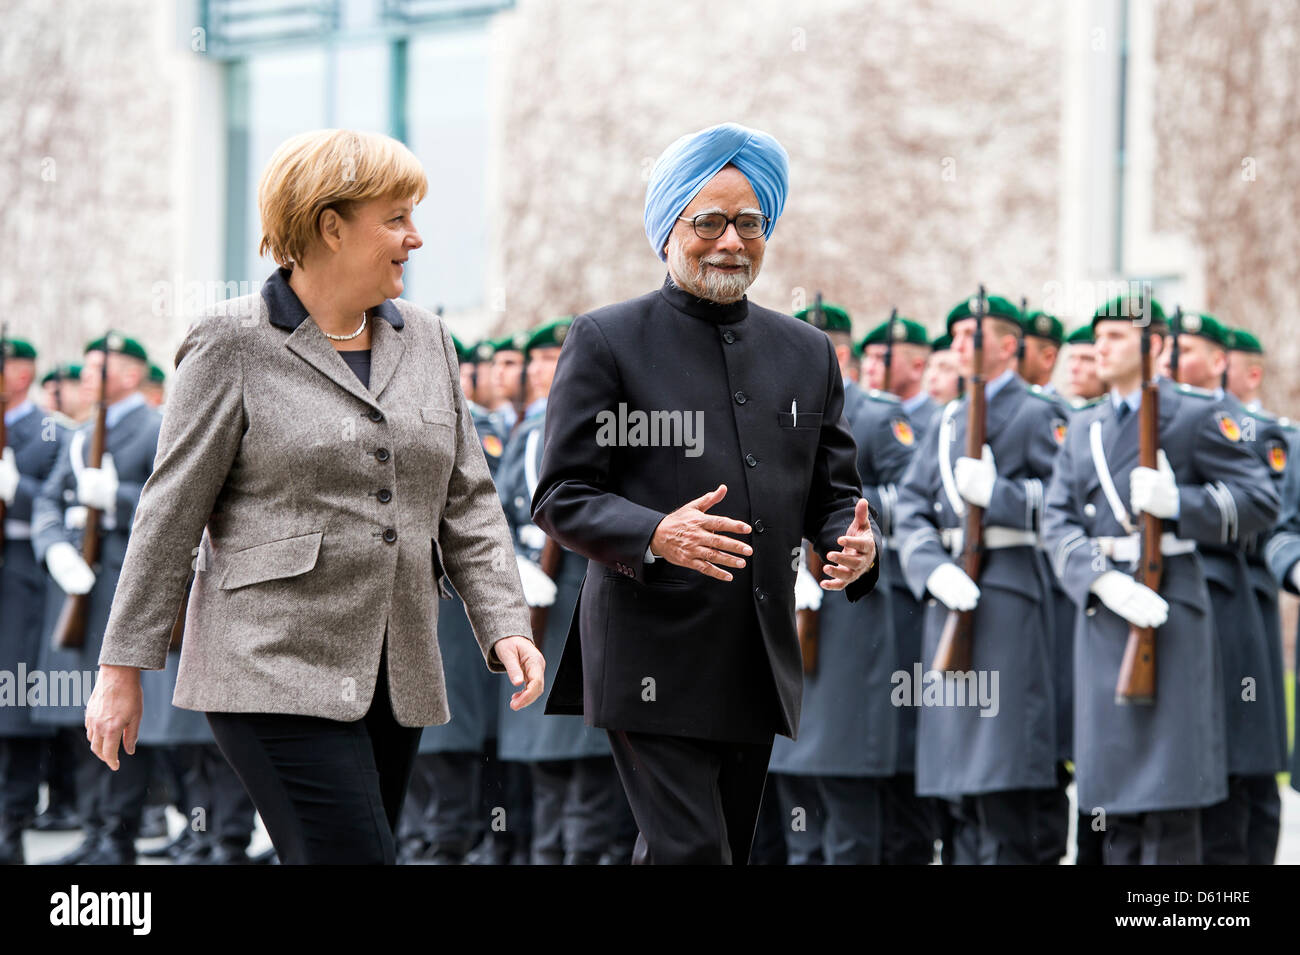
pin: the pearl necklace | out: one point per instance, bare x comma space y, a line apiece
346, 338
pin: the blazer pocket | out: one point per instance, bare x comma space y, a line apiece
442, 416
274, 560
812, 420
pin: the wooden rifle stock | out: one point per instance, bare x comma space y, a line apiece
807, 622
70, 630
549, 561
956, 641
1137, 671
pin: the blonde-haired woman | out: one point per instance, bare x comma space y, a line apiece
319, 470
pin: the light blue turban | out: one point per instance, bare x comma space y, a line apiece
688, 164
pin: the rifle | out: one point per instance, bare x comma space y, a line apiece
889, 350
4, 430
549, 561
70, 630
955, 642
1174, 331
1137, 671
807, 621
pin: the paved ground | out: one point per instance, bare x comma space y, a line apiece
41, 846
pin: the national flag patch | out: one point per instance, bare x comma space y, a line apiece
1277, 456
492, 445
1229, 428
1058, 430
903, 432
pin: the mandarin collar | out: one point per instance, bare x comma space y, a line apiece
701, 308
287, 311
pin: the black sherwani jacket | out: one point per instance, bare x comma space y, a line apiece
658, 648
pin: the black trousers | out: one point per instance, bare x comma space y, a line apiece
695, 801
803, 817
911, 822
20, 776
844, 819
577, 805
1166, 837
329, 792
1010, 827
1244, 828
442, 806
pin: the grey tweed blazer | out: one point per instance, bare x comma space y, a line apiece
317, 514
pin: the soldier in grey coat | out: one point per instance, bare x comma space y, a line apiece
110, 804
1145, 771
579, 808
990, 748
1254, 695
835, 772
32, 445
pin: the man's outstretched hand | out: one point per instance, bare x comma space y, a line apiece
842, 567
690, 537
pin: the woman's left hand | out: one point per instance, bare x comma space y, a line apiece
522, 659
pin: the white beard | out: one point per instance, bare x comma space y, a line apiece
709, 284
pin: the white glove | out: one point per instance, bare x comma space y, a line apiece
1295, 576
8, 476
1136, 603
539, 590
97, 487
950, 585
975, 478
74, 518
807, 592
68, 569
1154, 492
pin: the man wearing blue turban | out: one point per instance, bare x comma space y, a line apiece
683, 643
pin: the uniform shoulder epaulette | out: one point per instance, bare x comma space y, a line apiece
875, 394
1090, 403
1050, 397
1263, 415
1196, 392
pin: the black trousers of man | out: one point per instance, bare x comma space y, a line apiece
1164, 837
578, 806
696, 801
911, 822
1244, 828
443, 815
1009, 827
850, 830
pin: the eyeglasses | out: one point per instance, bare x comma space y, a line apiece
710, 225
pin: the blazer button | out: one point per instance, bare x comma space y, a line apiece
760, 593
751, 460
758, 526
381, 455
375, 415
384, 495
728, 336
390, 535
740, 398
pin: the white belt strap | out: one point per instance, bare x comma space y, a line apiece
946, 430
530, 465
994, 538
17, 530
1128, 550
1103, 475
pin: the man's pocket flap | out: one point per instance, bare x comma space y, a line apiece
443, 416
270, 561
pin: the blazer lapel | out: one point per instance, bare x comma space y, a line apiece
310, 344
386, 348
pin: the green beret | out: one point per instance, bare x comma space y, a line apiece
995, 306
550, 335
833, 318
906, 332
49, 376
18, 348
1080, 336
484, 351
115, 342
69, 371
942, 343
1042, 325
1125, 308
156, 374
1203, 326
1240, 339
515, 341
463, 355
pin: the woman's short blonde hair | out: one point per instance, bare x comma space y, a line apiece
324, 169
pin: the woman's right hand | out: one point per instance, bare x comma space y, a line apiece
113, 712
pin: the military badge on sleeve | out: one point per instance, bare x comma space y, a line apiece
1058, 430
903, 432
1277, 456
1229, 428
492, 445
